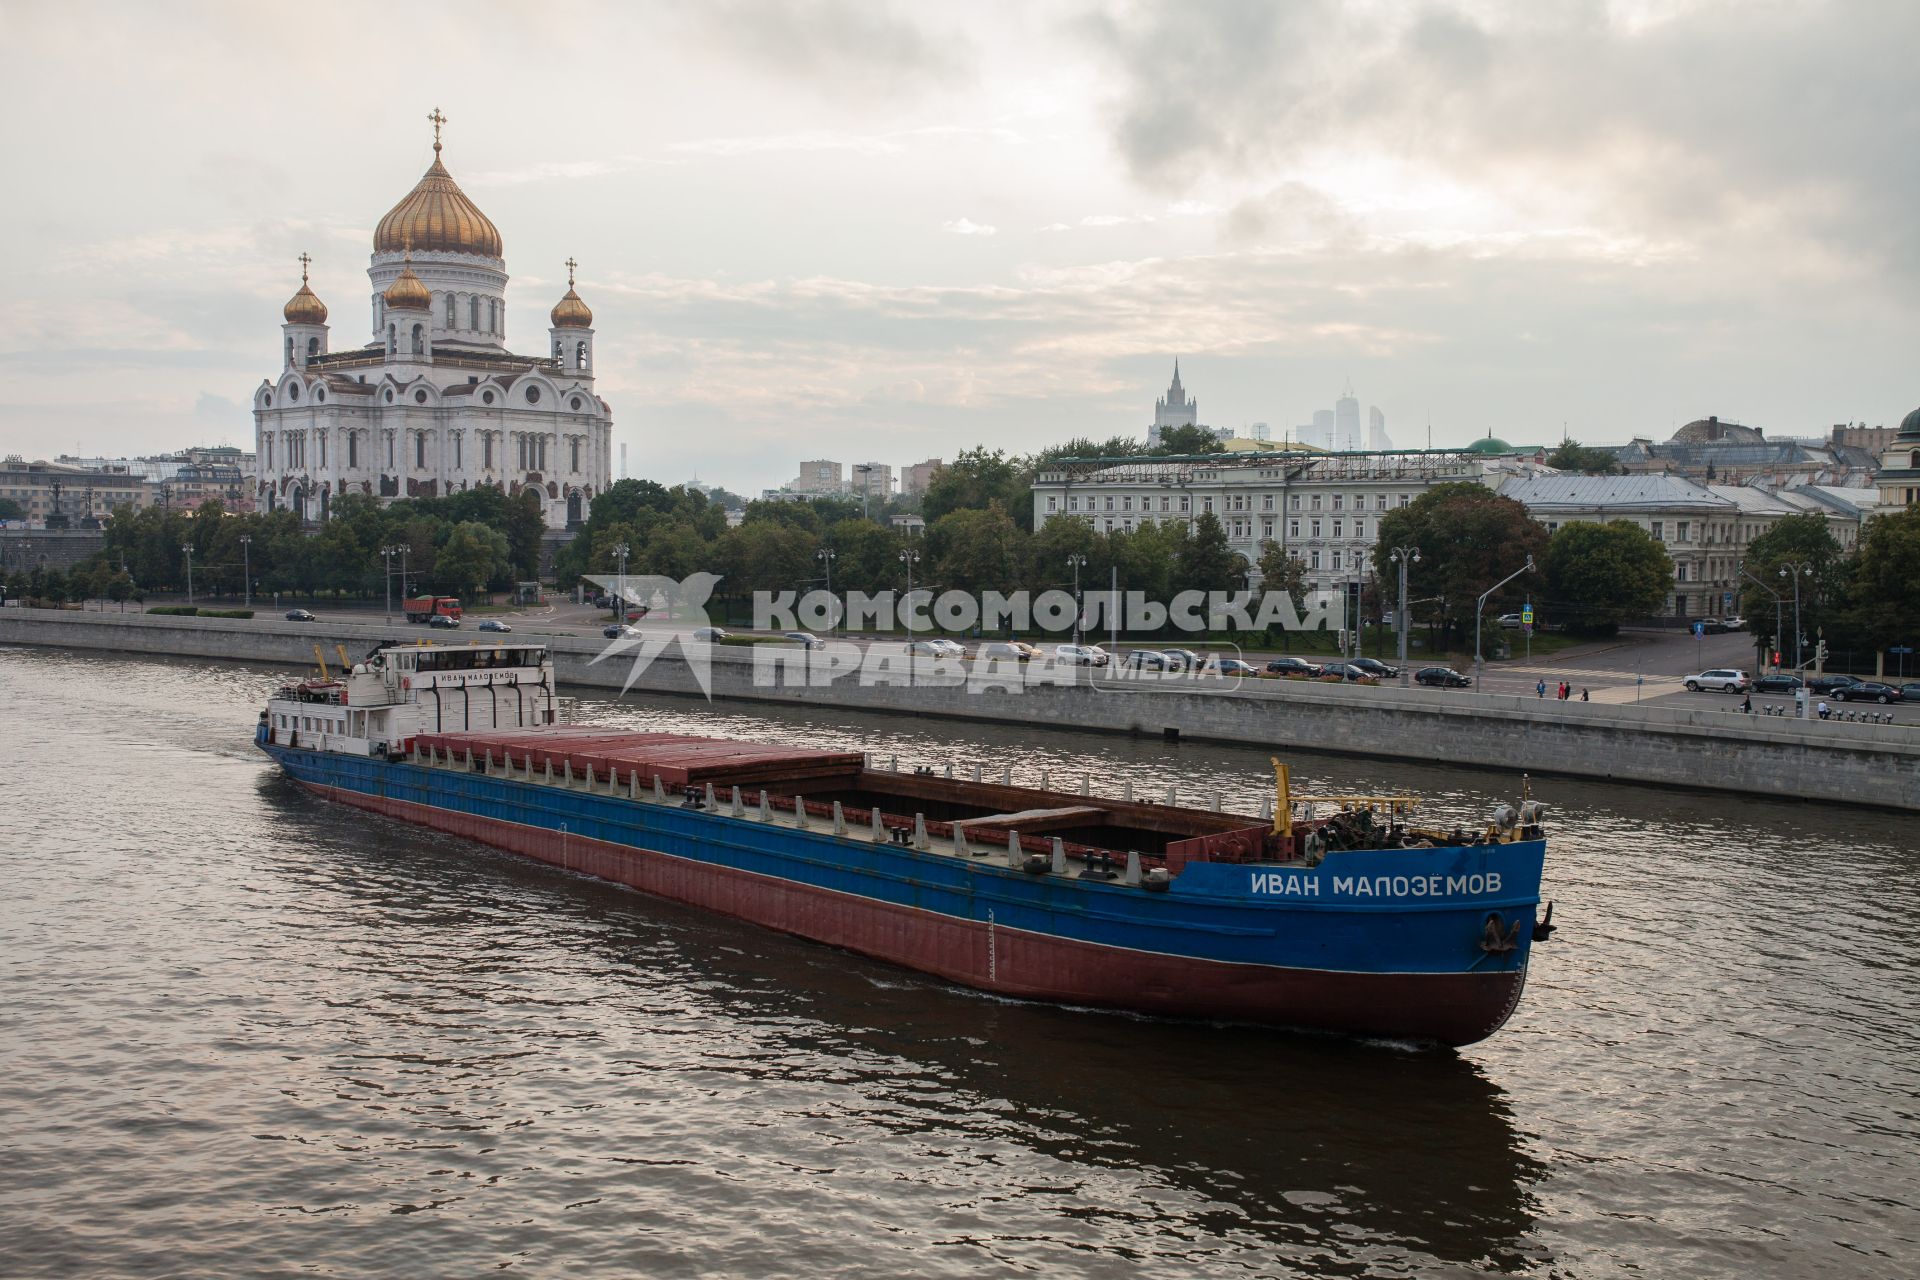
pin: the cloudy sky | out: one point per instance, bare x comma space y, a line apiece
841, 230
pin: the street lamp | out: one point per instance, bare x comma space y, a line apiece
909, 559
1481, 607
825, 556
1076, 561
1401, 556
1797, 569
1778, 604
620, 550
246, 572
187, 548
866, 484
386, 556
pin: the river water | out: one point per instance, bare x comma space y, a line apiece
244, 1032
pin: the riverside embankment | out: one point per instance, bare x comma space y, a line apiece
1711, 746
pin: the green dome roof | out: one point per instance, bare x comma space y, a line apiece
1489, 445
1910, 427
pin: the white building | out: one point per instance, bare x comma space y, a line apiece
435, 403
1175, 409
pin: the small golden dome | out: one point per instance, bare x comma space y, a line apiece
436, 216
571, 313
305, 306
407, 293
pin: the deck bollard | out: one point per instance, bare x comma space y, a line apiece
766, 806
920, 832
1086, 785
1133, 868
737, 809
1006, 775
567, 765
1014, 855
894, 764
711, 807
960, 848
1059, 856
1266, 808
800, 812
839, 820
549, 763
589, 782
1046, 780
633, 784
1216, 802
659, 789
1126, 791
976, 771
879, 827
1170, 797
949, 768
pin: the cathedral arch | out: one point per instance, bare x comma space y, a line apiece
419, 340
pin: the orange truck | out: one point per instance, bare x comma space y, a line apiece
432, 606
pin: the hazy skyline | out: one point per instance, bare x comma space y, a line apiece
841, 230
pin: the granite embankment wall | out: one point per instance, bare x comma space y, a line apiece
1703, 743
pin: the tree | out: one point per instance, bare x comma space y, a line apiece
1281, 570
1469, 539
11, 510
472, 556
1601, 575
1885, 590
1206, 562
1574, 456
977, 479
1180, 441
764, 556
1775, 558
976, 550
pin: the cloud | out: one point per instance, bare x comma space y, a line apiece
968, 227
844, 48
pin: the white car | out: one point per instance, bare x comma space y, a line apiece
1081, 655
1014, 650
937, 648
1719, 680
805, 639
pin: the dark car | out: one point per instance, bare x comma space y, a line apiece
1375, 668
619, 631
1828, 684
1868, 691
1233, 667
299, 615
1292, 667
441, 622
1183, 660
1910, 690
494, 624
1779, 682
1148, 660
1346, 671
1442, 678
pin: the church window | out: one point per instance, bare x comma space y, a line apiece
289, 348
486, 450
556, 348
323, 448
313, 346
267, 400
353, 448
486, 397
390, 345
389, 441
580, 355
533, 395
419, 340
293, 394
543, 453
419, 449
574, 458
574, 404
473, 313
493, 316
320, 396
389, 395
420, 397
522, 442
452, 318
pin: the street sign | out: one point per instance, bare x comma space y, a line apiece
1900, 648
1726, 599
1526, 615
1699, 629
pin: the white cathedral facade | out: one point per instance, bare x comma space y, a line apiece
435, 403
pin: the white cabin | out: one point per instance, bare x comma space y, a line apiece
378, 705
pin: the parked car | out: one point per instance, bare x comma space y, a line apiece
1183, 660
1346, 671
712, 635
1004, 650
1081, 655
1292, 667
620, 631
1910, 690
938, 647
299, 615
1828, 684
1868, 691
1511, 622
1735, 623
1719, 680
805, 639
494, 624
1442, 678
441, 622
1713, 626
1375, 668
1146, 660
1778, 682
1229, 667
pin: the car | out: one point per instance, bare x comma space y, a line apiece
1712, 626
1828, 684
441, 622
1735, 623
620, 631
1778, 682
1292, 667
1346, 671
1868, 691
299, 615
805, 639
938, 647
1233, 667
1183, 660
1718, 680
712, 635
1511, 621
636, 612
1081, 655
1375, 668
1005, 650
1442, 678
494, 624
1910, 690
1147, 660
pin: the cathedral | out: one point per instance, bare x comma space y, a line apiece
435, 403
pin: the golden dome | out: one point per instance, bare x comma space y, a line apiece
571, 313
305, 306
436, 216
408, 293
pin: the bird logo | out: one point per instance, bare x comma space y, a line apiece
685, 624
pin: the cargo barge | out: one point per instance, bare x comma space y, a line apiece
1335, 914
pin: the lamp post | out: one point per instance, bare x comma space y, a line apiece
246, 572
1778, 603
1075, 562
386, 558
1797, 569
1401, 557
909, 559
1481, 607
620, 550
825, 556
187, 549
866, 484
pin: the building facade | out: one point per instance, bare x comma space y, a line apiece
1899, 478
915, 478
1174, 409
435, 403
57, 495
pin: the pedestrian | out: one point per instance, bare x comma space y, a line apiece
1825, 710
1583, 694
1565, 689
1746, 705
1541, 688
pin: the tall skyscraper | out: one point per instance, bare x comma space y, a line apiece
1377, 429
1346, 421
1175, 409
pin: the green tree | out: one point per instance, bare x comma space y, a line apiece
120, 588
11, 510
1206, 562
473, 556
1786, 551
1601, 575
1885, 588
1469, 539
1183, 441
1571, 455
1281, 570
977, 479
764, 556
865, 556
976, 550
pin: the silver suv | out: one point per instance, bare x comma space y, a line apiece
1720, 680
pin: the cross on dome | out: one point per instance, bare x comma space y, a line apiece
437, 120
305, 262
571, 265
